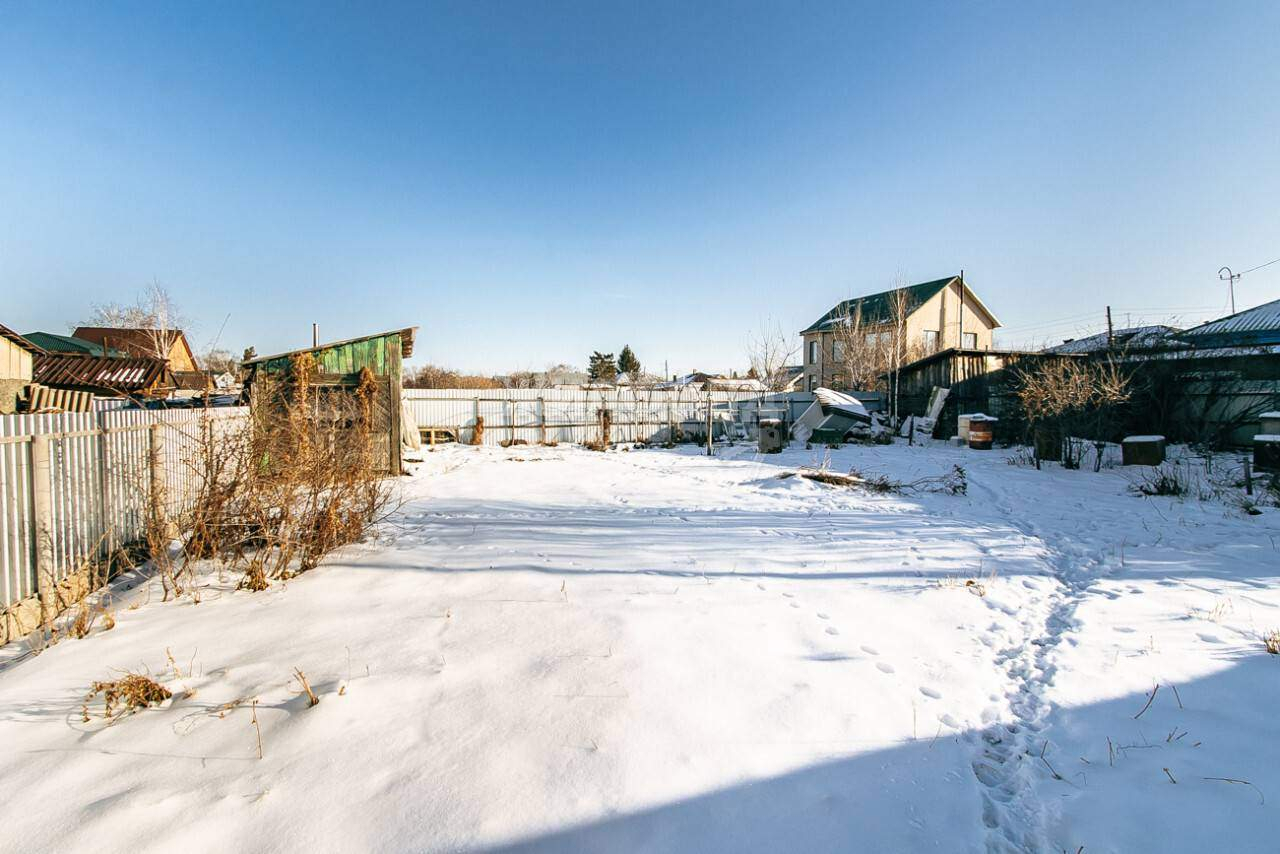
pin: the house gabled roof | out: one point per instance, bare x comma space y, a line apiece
877, 308
21, 341
134, 340
1256, 326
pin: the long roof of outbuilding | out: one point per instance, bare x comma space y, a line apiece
406, 345
1258, 325
140, 373
877, 308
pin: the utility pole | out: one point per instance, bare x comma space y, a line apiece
709, 418
1230, 279
1111, 335
960, 317
315, 335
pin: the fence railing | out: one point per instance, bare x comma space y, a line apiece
573, 415
73, 485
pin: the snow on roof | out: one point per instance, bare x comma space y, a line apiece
1133, 338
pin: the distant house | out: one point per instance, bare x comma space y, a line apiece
792, 378
941, 314
1134, 339
17, 356
168, 344
196, 383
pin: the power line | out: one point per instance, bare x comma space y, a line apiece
1259, 267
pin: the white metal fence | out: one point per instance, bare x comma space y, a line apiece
85, 481
573, 415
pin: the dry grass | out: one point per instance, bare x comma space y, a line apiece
312, 699
1271, 641
128, 694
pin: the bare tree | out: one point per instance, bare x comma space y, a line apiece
219, 361
869, 351
768, 352
154, 312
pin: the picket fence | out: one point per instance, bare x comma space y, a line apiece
73, 485
574, 415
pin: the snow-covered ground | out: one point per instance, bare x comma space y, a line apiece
554, 649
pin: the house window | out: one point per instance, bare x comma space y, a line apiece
837, 351
813, 382
813, 352
970, 340
931, 339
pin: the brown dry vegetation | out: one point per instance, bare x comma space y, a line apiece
301, 482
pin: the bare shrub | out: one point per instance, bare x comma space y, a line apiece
1021, 456
1163, 480
1074, 398
299, 483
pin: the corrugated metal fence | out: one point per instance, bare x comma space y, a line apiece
88, 478
574, 415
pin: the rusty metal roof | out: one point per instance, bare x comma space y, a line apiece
124, 376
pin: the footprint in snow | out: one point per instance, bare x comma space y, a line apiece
760, 586
832, 630
933, 693
822, 616
869, 650
1208, 638
885, 667
795, 604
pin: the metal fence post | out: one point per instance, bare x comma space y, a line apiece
106, 511
155, 465
542, 420
42, 504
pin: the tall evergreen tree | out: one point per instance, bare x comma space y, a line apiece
601, 368
627, 362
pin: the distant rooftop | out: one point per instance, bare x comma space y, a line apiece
1133, 338
1255, 326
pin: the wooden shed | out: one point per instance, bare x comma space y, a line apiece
338, 368
980, 381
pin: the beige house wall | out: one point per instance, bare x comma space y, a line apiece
15, 362
944, 313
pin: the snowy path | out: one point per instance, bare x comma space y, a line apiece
555, 650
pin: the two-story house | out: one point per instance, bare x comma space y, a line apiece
939, 314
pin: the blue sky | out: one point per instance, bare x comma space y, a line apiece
529, 182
